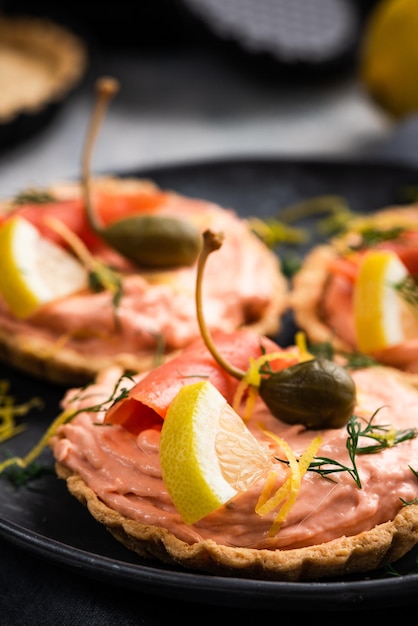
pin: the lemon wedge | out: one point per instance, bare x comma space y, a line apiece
381, 315
207, 453
388, 56
33, 269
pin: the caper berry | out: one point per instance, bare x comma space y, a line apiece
317, 393
151, 241
154, 241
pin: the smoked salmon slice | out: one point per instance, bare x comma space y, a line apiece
109, 208
147, 402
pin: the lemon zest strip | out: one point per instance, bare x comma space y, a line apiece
300, 341
39, 447
266, 502
9, 410
293, 479
389, 437
267, 489
309, 454
289, 490
252, 379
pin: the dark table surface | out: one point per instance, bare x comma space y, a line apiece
35, 591
184, 98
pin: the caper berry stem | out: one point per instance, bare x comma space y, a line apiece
106, 88
211, 242
317, 393
151, 241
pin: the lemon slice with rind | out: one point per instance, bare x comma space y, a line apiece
33, 269
381, 314
207, 453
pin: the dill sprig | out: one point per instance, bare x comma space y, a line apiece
66, 416
9, 411
408, 502
372, 236
384, 436
415, 500
415, 472
291, 262
118, 393
33, 196
23, 476
353, 360
358, 360
408, 289
273, 231
391, 570
103, 278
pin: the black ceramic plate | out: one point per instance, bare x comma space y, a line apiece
46, 521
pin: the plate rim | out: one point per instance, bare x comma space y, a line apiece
254, 593
356, 594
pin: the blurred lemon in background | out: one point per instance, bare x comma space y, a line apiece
388, 59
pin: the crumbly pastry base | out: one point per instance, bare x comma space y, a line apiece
305, 298
362, 553
40, 358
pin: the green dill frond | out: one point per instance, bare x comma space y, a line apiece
274, 232
408, 502
104, 278
372, 236
9, 411
33, 196
357, 360
353, 360
384, 436
118, 393
24, 476
415, 472
291, 263
408, 290
322, 350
